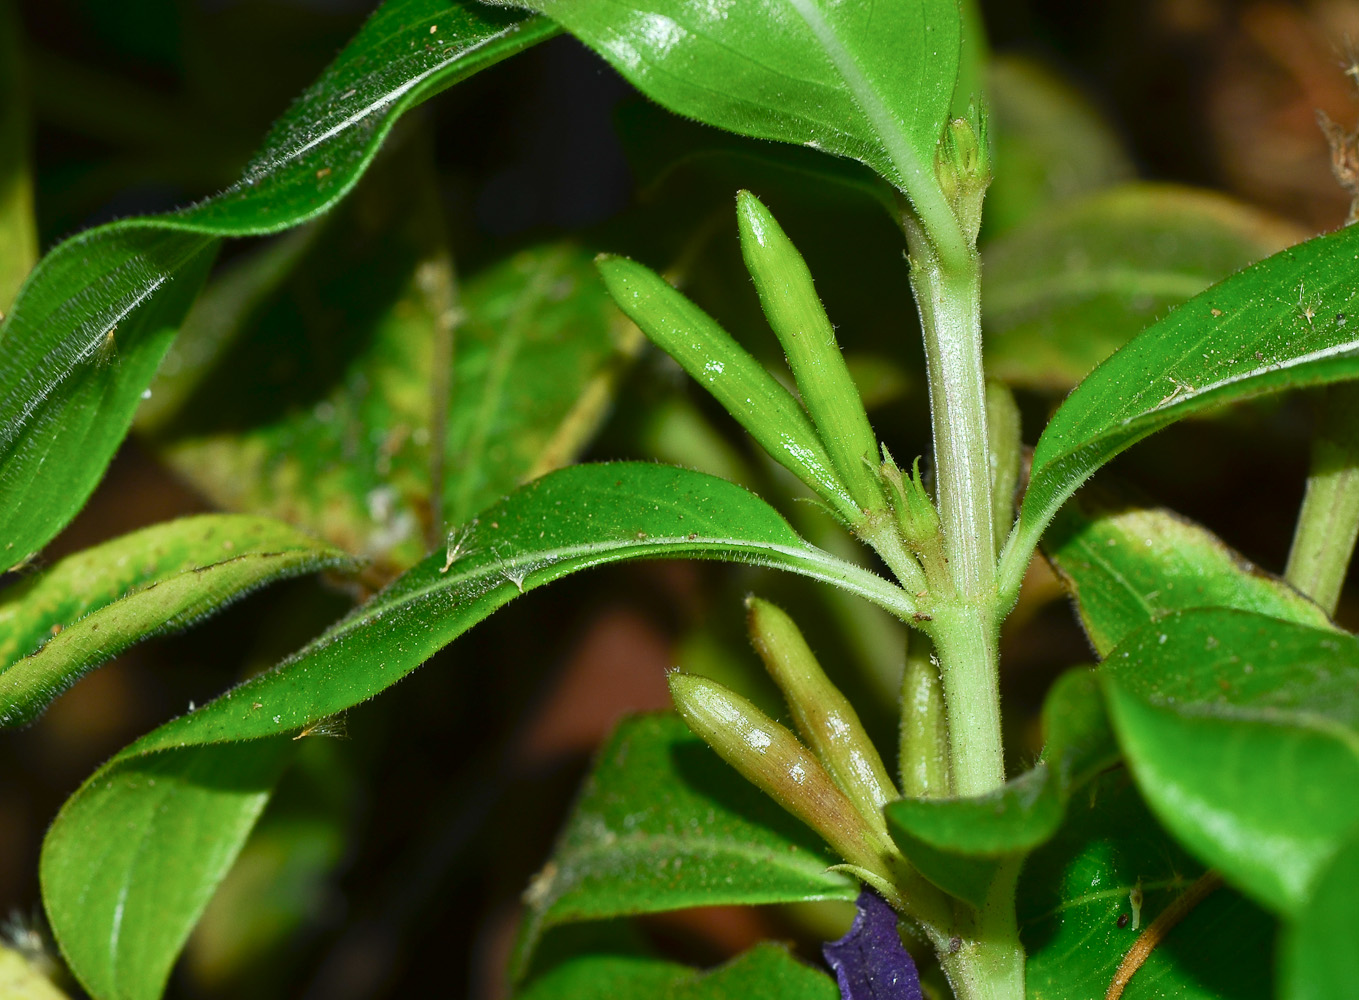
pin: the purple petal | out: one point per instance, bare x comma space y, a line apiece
870, 962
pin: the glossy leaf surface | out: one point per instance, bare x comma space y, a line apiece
517, 365
121, 906
1065, 291
873, 83
1242, 731
767, 970
1075, 889
1286, 322
1317, 957
664, 824
570, 520
60, 623
1127, 565
93, 322
960, 844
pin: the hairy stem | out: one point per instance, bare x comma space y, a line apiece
1328, 522
984, 960
988, 961
964, 626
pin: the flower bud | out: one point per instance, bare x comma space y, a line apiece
798, 319
963, 167
823, 715
770, 757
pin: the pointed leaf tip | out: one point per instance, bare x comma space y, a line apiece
870, 961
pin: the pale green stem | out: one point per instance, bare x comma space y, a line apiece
1328, 522
950, 318
965, 644
963, 629
989, 961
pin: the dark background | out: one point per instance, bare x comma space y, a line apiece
455, 781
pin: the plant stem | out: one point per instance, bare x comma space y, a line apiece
965, 643
989, 961
985, 961
1328, 522
950, 318
964, 625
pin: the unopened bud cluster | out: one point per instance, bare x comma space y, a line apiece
835, 782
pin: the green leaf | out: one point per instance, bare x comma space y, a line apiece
1242, 733
59, 624
1127, 565
870, 82
98, 313
664, 824
1050, 145
570, 520
1067, 290
961, 844
517, 367
1075, 888
1288, 321
767, 970
133, 857
1318, 960
18, 229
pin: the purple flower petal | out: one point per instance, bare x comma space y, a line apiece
870, 962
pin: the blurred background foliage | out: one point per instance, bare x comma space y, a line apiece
391, 861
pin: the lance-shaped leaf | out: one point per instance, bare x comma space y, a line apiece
1079, 914
1288, 321
97, 315
60, 623
403, 379
871, 82
1127, 566
1067, 290
963, 844
1243, 734
664, 824
767, 970
570, 520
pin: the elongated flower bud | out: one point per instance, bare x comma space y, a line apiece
1004, 432
770, 757
823, 715
923, 759
798, 319
763, 407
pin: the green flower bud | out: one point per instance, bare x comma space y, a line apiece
823, 715
707, 352
770, 757
923, 758
963, 166
798, 319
